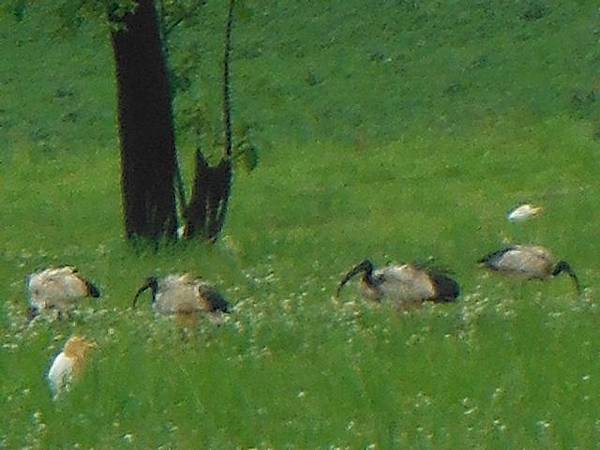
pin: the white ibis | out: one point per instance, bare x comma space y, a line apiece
528, 261
182, 294
404, 284
57, 288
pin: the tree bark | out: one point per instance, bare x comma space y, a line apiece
205, 214
148, 153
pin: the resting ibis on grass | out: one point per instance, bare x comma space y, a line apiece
183, 295
524, 212
69, 364
528, 261
57, 288
406, 284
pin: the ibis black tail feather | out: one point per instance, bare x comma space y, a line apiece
93, 291
447, 289
216, 302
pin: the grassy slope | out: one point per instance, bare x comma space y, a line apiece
397, 133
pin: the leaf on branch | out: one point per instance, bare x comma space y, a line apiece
17, 9
247, 154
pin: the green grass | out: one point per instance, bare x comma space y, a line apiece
396, 133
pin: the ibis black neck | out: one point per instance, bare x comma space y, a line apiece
563, 266
365, 266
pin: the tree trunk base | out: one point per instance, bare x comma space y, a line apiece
206, 211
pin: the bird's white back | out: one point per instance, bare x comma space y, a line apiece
55, 287
405, 283
177, 294
531, 261
523, 213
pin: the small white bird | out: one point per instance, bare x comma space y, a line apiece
69, 364
524, 212
57, 288
182, 295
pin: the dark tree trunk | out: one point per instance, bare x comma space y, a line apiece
205, 214
148, 155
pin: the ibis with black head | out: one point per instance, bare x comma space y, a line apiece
59, 288
183, 294
531, 262
404, 284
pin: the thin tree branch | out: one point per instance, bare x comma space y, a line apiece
226, 83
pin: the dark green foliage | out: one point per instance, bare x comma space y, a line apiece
584, 104
18, 9
247, 154
535, 10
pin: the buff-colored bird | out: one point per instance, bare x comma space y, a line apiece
69, 365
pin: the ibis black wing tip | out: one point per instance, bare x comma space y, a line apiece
489, 259
93, 291
222, 305
447, 288
214, 300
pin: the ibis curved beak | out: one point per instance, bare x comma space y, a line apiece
363, 266
563, 266
576, 281
139, 292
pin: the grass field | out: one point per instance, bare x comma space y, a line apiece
394, 132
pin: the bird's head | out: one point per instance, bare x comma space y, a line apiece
150, 283
364, 266
537, 210
563, 266
78, 346
524, 212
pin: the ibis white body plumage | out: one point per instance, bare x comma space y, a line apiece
527, 261
68, 365
58, 288
404, 284
524, 212
183, 294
